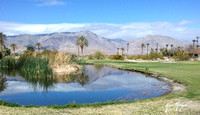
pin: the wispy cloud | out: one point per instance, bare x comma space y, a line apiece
124, 31
184, 22
51, 3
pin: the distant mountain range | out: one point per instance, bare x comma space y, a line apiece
66, 41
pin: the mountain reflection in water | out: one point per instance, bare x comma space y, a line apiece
97, 83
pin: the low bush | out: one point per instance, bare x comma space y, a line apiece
182, 56
99, 55
155, 55
116, 57
91, 56
152, 56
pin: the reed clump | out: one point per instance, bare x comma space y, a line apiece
42, 64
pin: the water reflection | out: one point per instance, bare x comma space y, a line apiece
82, 79
94, 84
98, 67
3, 83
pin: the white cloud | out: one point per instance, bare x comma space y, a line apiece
185, 22
51, 3
124, 31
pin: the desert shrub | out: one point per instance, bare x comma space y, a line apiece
181, 56
116, 57
155, 55
145, 57
90, 56
130, 57
99, 55
138, 57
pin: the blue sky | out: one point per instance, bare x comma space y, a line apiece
102, 15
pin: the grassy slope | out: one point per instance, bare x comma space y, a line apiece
186, 72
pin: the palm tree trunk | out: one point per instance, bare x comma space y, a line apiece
147, 51
117, 52
142, 50
78, 51
193, 45
14, 53
82, 50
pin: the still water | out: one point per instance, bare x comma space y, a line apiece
97, 83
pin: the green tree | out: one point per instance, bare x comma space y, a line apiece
2, 40
98, 55
82, 42
38, 45
142, 46
29, 48
13, 47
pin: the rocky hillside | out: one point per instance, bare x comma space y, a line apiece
135, 45
66, 41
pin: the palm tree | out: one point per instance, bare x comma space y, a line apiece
13, 47
127, 48
171, 46
157, 47
2, 40
122, 51
82, 42
198, 41
147, 48
117, 51
38, 45
167, 46
193, 43
77, 43
142, 46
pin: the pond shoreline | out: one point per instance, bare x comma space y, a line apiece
177, 87
170, 82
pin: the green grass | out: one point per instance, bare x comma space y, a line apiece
187, 73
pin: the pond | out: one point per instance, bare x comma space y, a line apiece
97, 83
